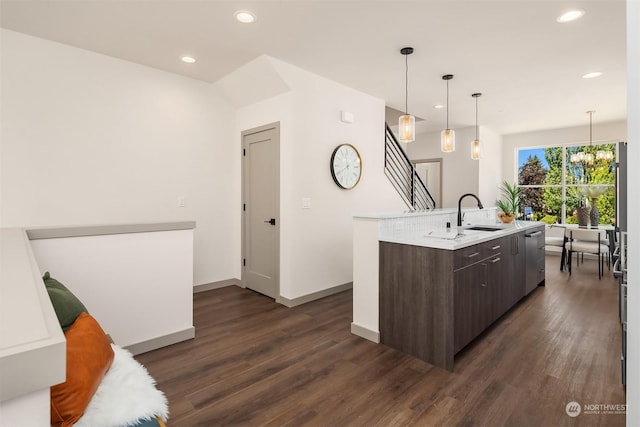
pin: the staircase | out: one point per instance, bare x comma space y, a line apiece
403, 175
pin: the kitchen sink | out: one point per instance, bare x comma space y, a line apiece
483, 228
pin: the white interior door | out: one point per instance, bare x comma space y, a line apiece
430, 171
261, 222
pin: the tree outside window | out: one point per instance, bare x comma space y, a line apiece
554, 187
532, 174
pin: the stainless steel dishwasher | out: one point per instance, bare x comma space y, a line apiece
534, 250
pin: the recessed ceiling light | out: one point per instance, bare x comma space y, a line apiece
592, 75
570, 15
188, 59
245, 16
438, 106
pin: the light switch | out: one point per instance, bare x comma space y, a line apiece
306, 203
182, 201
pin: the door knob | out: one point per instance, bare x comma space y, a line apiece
271, 221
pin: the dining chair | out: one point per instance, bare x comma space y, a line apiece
555, 236
589, 241
610, 248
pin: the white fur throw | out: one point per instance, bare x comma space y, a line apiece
126, 394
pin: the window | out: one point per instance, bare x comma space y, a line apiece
553, 187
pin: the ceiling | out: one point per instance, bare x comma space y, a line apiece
527, 66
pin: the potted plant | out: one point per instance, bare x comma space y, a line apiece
510, 202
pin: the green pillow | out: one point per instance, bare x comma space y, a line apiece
67, 306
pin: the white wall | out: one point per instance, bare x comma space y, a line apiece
143, 279
633, 296
316, 244
611, 131
460, 174
489, 167
89, 139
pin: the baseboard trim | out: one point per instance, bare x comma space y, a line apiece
365, 333
163, 341
314, 296
216, 285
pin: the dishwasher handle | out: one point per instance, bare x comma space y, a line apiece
537, 233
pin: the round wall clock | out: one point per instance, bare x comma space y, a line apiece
346, 166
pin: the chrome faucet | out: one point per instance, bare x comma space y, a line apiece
460, 202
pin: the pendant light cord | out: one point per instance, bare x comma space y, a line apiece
476, 118
590, 116
447, 104
406, 84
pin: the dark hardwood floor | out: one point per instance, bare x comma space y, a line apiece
254, 362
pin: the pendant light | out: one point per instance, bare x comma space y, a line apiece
448, 136
406, 122
475, 144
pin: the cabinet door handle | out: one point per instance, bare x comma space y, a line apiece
495, 260
515, 250
484, 282
473, 254
495, 247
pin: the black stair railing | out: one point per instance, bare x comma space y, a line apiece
403, 175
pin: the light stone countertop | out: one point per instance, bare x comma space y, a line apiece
439, 238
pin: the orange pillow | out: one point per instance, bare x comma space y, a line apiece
89, 357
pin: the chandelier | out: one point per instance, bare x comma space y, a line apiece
586, 157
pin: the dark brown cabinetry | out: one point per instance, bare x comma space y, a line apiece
514, 268
482, 291
433, 302
475, 291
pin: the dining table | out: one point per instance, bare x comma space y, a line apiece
610, 230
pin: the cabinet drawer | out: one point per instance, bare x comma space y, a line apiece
467, 256
472, 254
494, 247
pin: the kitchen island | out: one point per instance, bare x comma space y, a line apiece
438, 289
